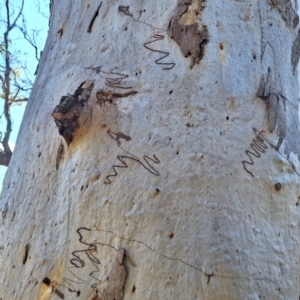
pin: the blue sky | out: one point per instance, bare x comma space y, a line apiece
36, 14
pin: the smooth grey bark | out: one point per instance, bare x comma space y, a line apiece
181, 180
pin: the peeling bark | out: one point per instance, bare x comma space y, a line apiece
276, 110
295, 52
286, 10
190, 38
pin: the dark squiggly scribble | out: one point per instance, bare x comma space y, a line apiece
116, 137
79, 262
125, 11
258, 147
158, 37
113, 82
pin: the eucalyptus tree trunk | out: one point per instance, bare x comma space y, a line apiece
159, 155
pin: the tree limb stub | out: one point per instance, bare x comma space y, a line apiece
66, 114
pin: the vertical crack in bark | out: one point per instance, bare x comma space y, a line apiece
60, 152
96, 13
26, 253
186, 32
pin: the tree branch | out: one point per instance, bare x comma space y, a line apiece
5, 158
18, 16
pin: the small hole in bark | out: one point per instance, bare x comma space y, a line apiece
78, 293
177, 152
81, 188
171, 235
39, 154
227, 118
278, 186
125, 29
133, 289
46, 281
170, 92
157, 190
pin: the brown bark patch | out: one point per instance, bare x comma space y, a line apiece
285, 9
184, 29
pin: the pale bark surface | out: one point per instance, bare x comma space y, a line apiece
197, 223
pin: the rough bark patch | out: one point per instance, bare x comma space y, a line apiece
104, 96
285, 9
183, 28
69, 110
295, 52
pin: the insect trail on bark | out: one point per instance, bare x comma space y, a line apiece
121, 158
109, 81
258, 147
125, 11
158, 37
79, 263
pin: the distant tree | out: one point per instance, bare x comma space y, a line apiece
16, 83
